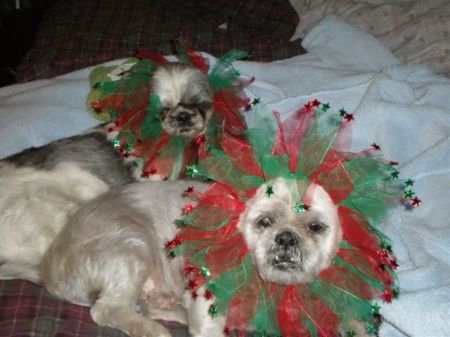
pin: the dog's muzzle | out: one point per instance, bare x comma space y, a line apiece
184, 118
287, 253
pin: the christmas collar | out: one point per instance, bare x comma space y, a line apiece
122, 96
311, 146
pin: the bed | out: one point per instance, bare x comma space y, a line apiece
358, 58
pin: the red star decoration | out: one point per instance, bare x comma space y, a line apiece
308, 107
194, 295
192, 284
173, 243
393, 163
188, 208
393, 263
189, 269
349, 117
387, 296
208, 294
97, 105
416, 201
226, 331
376, 147
189, 190
384, 256
110, 129
315, 103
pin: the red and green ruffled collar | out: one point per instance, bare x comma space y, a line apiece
123, 97
311, 145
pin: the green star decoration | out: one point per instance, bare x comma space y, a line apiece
269, 191
116, 143
342, 112
409, 194
172, 254
375, 309
213, 310
192, 170
325, 106
205, 271
256, 101
351, 333
386, 245
409, 182
298, 208
395, 174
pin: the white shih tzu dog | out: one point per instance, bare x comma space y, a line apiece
111, 253
42, 187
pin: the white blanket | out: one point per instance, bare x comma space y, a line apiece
403, 108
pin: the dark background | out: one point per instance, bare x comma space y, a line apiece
18, 24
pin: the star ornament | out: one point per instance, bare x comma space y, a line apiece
416, 201
269, 191
299, 208
325, 106
409, 182
349, 117
376, 147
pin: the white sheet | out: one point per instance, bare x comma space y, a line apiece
404, 108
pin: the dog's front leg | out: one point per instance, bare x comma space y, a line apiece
201, 323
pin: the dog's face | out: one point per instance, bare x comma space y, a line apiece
186, 98
290, 247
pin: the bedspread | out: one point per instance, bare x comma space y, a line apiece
77, 34
415, 31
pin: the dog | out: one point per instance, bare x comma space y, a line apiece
186, 98
111, 253
42, 187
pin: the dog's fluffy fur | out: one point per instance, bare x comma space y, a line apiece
42, 187
111, 253
186, 98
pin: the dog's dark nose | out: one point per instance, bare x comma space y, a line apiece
183, 117
287, 238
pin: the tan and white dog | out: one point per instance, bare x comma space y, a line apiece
111, 253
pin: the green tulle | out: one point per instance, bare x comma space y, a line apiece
223, 74
152, 128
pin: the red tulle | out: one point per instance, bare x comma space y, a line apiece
289, 314
244, 304
290, 135
149, 55
297, 304
228, 104
198, 61
227, 254
333, 177
342, 278
356, 229
241, 155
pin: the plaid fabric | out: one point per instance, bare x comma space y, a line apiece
77, 34
29, 310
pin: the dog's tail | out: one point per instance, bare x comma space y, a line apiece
19, 270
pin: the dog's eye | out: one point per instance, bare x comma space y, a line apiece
265, 221
316, 227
